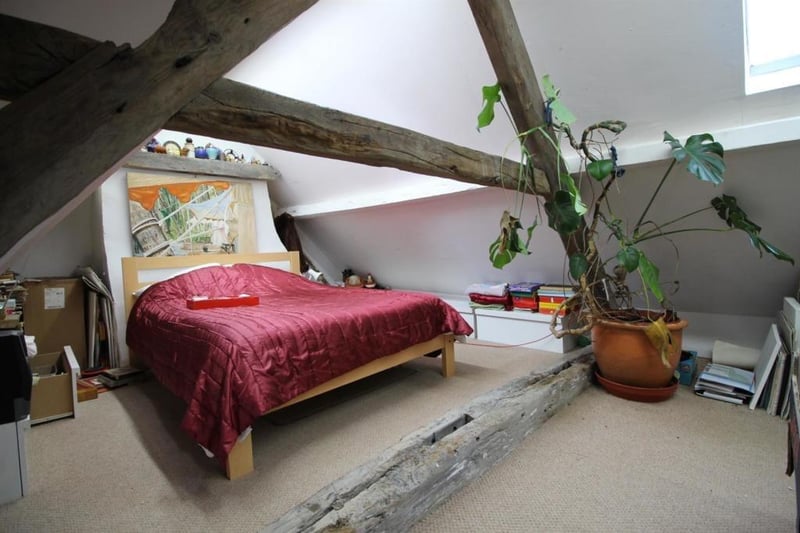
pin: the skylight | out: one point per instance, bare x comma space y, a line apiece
772, 44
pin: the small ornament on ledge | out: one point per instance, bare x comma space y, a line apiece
212, 151
188, 148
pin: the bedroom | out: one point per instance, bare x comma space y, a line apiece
349, 215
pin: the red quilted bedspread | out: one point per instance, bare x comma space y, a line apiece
233, 364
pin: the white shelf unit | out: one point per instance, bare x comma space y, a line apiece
517, 327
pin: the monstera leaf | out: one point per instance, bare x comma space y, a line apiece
649, 273
561, 214
577, 202
578, 265
508, 244
628, 257
559, 112
660, 337
491, 95
734, 216
600, 169
704, 156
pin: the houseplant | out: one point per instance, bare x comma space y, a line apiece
603, 302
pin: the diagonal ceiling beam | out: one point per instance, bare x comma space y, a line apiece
238, 112
32, 53
69, 133
512, 65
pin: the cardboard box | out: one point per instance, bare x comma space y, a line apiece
54, 395
54, 314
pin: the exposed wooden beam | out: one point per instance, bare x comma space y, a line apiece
69, 133
239, 112
190, 165
32, 53
512, 65
234, 111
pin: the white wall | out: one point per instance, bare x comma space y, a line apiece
114, 223
420, 64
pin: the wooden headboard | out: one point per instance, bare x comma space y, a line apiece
138, 272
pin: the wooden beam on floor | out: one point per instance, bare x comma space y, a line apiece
393, 491
68, 134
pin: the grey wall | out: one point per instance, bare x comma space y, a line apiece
71, 244
441, 244
420, 64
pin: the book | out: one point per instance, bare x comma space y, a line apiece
788, 334
121, 373
791, 313
726, 353
726, 379
766, 362
721, 389
721, 397
526, 288
110, 383
556, 290
778, 382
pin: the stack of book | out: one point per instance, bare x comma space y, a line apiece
552, 296
725, 383
524, 296
779, 385
116, 377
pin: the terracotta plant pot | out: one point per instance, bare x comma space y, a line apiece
625, 355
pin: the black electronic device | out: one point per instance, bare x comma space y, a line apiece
16, 379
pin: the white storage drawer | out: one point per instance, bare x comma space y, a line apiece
518, 327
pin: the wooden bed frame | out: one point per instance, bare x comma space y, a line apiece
138, 272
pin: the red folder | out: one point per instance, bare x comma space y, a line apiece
200, 302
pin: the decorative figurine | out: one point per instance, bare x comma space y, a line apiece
188, 148
172, 148
212, 151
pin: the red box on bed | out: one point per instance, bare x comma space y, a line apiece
221, 301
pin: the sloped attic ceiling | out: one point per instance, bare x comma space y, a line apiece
420, 64
670, 65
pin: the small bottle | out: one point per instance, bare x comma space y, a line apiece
188, 148
369, 282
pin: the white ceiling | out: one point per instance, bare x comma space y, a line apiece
420, 64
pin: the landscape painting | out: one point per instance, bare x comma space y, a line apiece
190, 215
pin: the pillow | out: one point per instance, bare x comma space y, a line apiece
189, 269
138, 292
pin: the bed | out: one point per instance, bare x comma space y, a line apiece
285, 339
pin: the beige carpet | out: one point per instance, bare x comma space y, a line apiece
606, 464
695, 464
124, 465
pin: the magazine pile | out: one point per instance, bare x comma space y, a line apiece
725, 383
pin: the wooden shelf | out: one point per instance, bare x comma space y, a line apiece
189, 165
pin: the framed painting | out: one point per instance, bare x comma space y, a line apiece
190, 215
